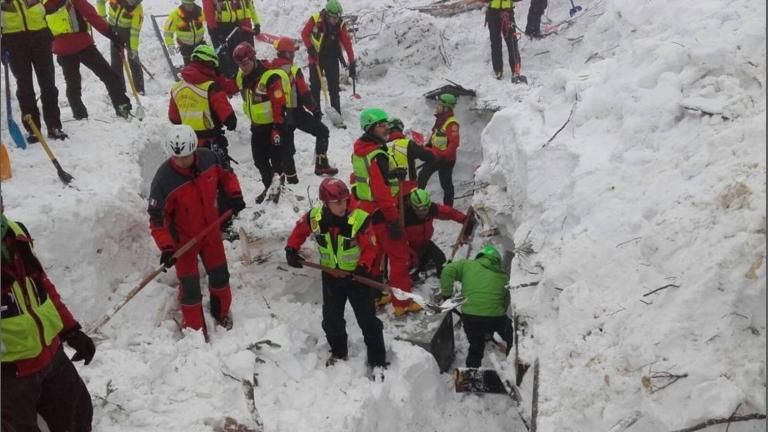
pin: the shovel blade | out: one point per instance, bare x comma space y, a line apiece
16, 135
574, 10
140, 113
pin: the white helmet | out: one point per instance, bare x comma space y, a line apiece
181, 141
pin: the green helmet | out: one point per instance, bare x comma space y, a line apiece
187, 1
205, 53
333, 7
490, 252
420, 198
396, 124
447, 99
372, 116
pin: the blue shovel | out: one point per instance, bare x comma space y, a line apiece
13, 128
574, 9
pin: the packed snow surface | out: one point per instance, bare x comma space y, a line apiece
655, 178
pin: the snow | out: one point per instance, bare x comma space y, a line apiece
658, 178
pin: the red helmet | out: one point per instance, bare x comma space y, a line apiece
333, 189
243, 51
286, 44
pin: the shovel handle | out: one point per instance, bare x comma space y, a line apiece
35, 131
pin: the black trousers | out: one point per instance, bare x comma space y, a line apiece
336, 292
56, 392
266, 156
330, 69
496, 31
137, 73
444, 169
307, 123
535, 11
479, 329
431, 254
93, 60
218, 36
28, 51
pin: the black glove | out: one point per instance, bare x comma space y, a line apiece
311, 51
256, 29
363, 271
318, 115
81, 343
352, 70
394, 230
167, 259
231, 122
399, 173
237, 204
293, 257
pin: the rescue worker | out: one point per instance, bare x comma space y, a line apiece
444, 143
26, 45
70, 21
38, 379
302, 112
535, 11
346, 242
125, 18
375, 189
419, 216
500, 18
187, 23
182, 203
222, 18
403, 153
324, 35
265, 92
483, 284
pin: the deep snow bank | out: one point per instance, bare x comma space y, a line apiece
658, 179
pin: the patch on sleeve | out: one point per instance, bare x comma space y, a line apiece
278, 93
152, 202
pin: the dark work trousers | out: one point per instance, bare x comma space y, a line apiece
28, 51
218, 36
330, 69
444, 170
336, 292
219, 146
431, 254
56, 392
307, 123
266, 156
499, 28
93, 60
137, 73
186, 52
480, 329
535, 11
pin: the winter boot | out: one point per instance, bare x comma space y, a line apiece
225, 322
402, 310
57, 134
333, 359
499, 75
79, 111
292, 178
124, 111
263, 195
383, 300
322, 167
31, 139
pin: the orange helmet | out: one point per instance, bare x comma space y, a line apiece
286, 44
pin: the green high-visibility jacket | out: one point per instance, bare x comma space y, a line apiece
483, 284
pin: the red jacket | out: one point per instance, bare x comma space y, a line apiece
305, 96
452, 133
419, 231
221, 110
336, 225
378, 172
182, 202
330, 45
73, 43
275, 92
23, 263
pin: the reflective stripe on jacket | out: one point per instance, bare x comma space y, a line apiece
188, 26
22, 15
345, 254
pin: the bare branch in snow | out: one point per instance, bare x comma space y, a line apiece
661, 288
670, 378
628, 241
568, 120
714, 421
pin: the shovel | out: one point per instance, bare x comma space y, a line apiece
63, 175
13, 128
574, 9
140, 109
354, 89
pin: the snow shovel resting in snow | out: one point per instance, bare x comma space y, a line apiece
140, 108
13, 128
397, 292
159, 269
63, 175
574, 9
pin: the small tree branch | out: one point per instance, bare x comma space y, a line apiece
714, 421
661, 288
568, 120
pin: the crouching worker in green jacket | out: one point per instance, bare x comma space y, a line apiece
483, 284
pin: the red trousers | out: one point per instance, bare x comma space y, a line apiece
211, 251
398, 252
